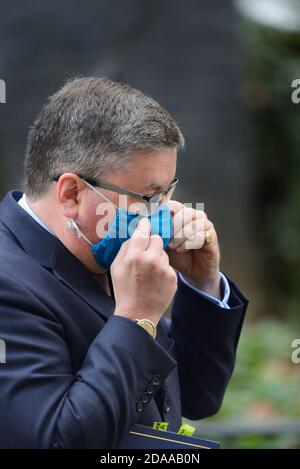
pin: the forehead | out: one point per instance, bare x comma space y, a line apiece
148, 172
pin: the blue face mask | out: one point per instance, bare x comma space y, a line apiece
122, 229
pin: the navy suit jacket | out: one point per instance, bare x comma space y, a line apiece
76, 376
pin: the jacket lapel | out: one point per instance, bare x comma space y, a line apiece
75, 276
52, 254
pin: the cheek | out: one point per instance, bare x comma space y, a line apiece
96, 220
88, 219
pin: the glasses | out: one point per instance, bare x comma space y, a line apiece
155, 198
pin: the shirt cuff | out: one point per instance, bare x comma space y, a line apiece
225, 288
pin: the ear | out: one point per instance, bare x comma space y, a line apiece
69, 193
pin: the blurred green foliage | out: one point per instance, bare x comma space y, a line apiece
271, 61
264, 387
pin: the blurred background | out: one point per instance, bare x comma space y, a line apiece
224, 70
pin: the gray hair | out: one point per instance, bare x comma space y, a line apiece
91, 126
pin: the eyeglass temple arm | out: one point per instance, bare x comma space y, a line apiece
106, 185
120, 190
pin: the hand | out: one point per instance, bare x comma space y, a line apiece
197, 261
144, 282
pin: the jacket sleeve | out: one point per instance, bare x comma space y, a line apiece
44, 405
206, 338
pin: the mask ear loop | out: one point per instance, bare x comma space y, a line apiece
73, 225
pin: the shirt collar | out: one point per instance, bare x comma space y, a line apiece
24, 204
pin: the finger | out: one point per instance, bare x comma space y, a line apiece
175, 206
184, 217
198, 223
187, 231
156, 244
165, 258
139, 241
196, 241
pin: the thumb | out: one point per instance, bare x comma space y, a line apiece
141, 236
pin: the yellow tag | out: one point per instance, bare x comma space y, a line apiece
160, 426
187, 430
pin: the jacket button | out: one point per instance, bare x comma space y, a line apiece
167, 407
156, 380
139, 406
150, 388
145, 397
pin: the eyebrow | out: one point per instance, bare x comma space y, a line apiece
154, 186
158, 187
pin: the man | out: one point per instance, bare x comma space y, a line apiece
89, 352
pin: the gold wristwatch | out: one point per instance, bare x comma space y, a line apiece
148, 326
